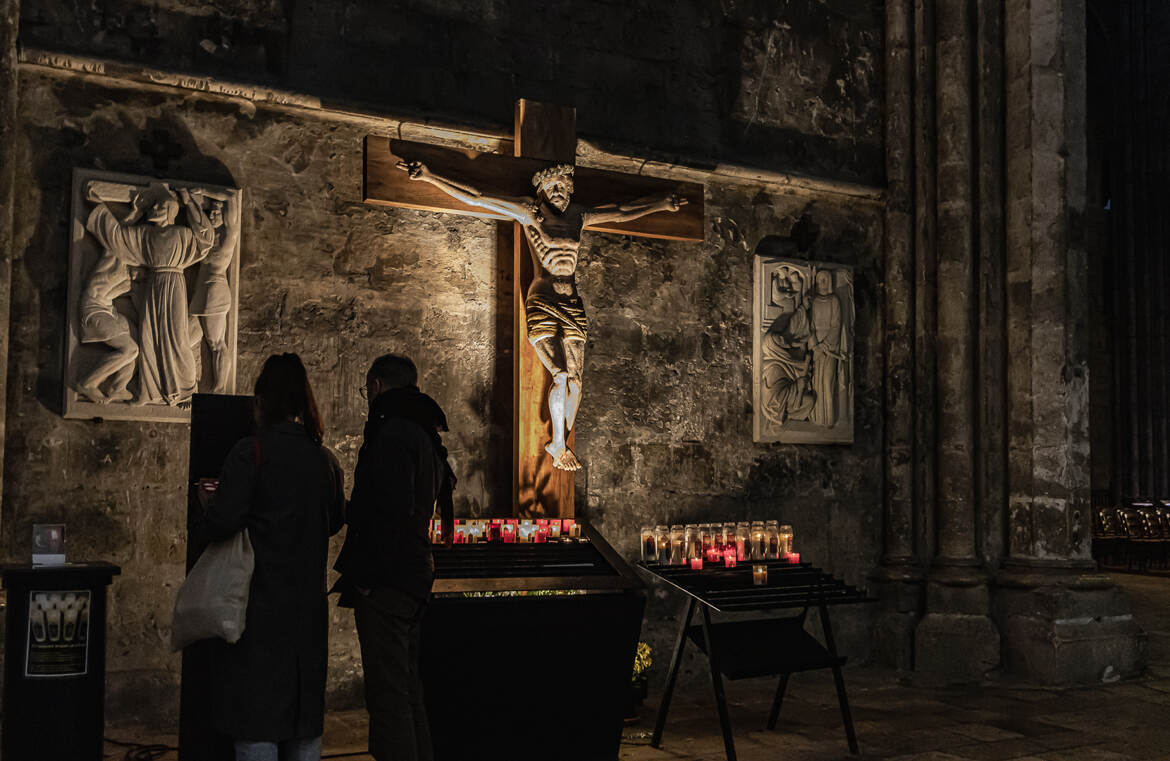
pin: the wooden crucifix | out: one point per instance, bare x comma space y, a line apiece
549, 203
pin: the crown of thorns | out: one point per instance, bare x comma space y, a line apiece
544, 175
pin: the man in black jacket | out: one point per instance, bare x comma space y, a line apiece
385, 563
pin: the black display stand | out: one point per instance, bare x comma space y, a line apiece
531, 676
55, 661
761, 647
217, 423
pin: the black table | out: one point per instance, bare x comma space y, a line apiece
527, 650
759, 647
55, 660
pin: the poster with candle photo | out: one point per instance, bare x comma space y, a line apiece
58, 634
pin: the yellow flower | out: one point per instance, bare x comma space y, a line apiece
642, 661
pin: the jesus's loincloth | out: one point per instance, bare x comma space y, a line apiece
552, 314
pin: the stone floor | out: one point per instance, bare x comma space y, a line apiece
895, 720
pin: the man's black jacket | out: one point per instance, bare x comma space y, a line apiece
401, 471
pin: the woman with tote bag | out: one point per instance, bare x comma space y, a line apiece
285, 488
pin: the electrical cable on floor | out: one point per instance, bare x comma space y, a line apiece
141, 752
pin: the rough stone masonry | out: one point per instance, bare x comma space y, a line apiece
860, 114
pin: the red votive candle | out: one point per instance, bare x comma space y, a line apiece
696, 564
729, 560
508, 531
794, 558
541, 536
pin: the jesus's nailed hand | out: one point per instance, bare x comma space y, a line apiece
415, 169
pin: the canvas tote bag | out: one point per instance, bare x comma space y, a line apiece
213, 600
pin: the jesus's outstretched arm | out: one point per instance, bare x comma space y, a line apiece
516, 209
626, 212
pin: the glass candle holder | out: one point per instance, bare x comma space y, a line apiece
572, 528
649, 546
759, 541
785, 540
729, 559
494, 534
678, 545
662, 543
554, 528
743, 540
760, 575
508, 533
772, 532
708, 538
696, 564
694, 547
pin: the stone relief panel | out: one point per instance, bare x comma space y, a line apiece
153, 296
803, 351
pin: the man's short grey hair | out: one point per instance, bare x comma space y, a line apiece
394, 371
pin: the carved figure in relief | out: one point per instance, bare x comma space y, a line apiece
786, 359
167, 366
100, 322
212, 300
555, 316
827, 341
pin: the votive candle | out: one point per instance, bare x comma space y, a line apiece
649, 547
729, 560
760, 575
696, 564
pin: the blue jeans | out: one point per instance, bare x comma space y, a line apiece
288, 750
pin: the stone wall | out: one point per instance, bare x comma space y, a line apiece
665, 427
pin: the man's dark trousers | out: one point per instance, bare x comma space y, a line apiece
388, 623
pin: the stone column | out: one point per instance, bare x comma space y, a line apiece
9, 25
957, 605
899, 576
1061, 620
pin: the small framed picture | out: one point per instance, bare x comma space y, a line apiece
48, 544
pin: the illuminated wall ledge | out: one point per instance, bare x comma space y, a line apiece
682, 168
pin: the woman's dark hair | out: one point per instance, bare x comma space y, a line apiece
283, 392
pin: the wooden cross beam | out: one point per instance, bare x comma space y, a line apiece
544, 135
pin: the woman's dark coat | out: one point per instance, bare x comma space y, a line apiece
287, 491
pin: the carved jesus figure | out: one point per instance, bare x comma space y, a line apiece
554, 314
